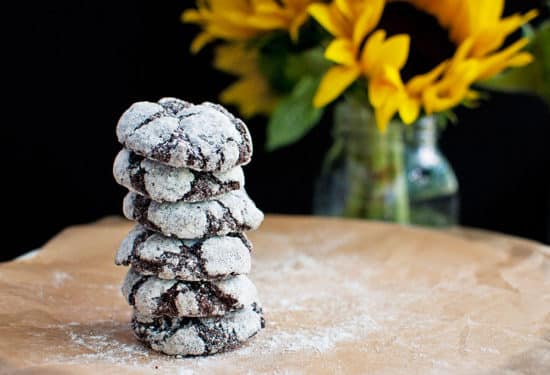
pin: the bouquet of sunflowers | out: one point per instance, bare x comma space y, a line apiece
294, 58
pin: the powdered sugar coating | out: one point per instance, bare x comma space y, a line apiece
212, 258
203, 137
231, 212
154, 297
163, 183
199, 336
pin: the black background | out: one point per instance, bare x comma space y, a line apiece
74, 66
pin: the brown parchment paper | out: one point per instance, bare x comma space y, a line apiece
340, 296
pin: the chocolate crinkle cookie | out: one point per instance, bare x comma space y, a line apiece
156, 297
163, 183
202, 137
211, 258
199, 336
229, 213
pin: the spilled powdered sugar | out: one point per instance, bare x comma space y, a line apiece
287, 287
59, 278
335, 303
97, 342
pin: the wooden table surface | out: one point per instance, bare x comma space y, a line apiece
340, 296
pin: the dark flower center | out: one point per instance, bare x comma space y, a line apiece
430, 43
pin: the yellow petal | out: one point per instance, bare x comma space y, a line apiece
191, 16
345, 8
371, 50
472, 95
200, 41
378, 92
396, 51
459, 28
244, 19
451, 90
384, 114
500, 61
227, 30
446, 11
392, 76
296, 24
252, 96
322, 14
434, 103
378, 53
220, 6
387, 93
235, 58
265, 21
483, 13
341, 51
417, 83
461, 53
385, 85
533, 13
262, 6
367, 20
335, 81
491, 38
409, 109
521, 59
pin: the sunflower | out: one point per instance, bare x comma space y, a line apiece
251, 93
474, 26
244, 19
378, 58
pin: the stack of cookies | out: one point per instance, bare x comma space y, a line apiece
188, 254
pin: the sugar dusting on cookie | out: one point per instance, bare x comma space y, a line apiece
231, 212
155, 297
202, 137
164, 183
151, 253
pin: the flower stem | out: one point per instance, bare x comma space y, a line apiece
376, 168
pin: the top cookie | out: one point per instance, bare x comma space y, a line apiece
202, 137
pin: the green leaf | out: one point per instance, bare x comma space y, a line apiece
310, 62
442, 119
334, 152
294, 115
534, 77
284, 68
272, 61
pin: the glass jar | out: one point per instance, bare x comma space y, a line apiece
363, 175
431, 182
